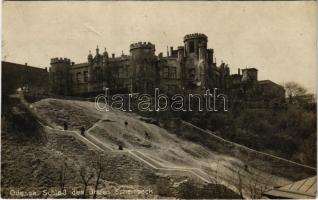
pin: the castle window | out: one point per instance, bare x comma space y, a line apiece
166, 72
85, 76
78, 77
173, 72
191, 47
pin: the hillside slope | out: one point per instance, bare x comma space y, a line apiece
33, 159
158, 147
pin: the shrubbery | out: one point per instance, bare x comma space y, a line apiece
289, 133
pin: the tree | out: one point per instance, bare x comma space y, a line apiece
293, 90
238, 183
258, 184
62, 176
99, 169
86, 176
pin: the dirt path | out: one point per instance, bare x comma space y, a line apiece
98, 145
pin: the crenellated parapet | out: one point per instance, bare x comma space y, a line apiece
142, 45
60, 60
195, 36
210, 50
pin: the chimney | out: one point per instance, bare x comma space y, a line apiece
239, 71
171, 50
113, 55
26, 64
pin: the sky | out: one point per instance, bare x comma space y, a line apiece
277, 38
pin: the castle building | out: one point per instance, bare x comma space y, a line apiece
189, 68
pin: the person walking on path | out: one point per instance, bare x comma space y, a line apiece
126, 124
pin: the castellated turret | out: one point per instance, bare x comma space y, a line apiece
59, 75
193, 41
143, 60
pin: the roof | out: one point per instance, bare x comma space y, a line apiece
236, 75
303, 189
79, 65
267, 82
249, 69
6, 64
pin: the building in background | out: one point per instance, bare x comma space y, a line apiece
15, 76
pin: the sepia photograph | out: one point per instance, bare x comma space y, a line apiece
159, 100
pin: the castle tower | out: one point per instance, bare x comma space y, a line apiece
192, 43
94, 69
143, 62
59, 76
196, 55
249, 75
210, 55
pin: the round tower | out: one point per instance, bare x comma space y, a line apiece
193, 41
142, 60
196, 60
